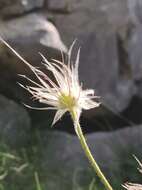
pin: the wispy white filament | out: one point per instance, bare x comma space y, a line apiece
134, 186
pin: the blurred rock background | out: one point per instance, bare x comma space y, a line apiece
109, 33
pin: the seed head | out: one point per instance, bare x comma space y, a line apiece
62, 94
134, 186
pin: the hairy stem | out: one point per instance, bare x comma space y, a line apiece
88, 152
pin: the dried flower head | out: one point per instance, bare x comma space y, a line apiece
65, 92
133, 186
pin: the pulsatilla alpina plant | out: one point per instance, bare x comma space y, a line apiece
63, 94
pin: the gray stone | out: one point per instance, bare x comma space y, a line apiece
14, 123
135, 57
4, 3
135, 7
86, 15
59, 5
96, 24
134, 44
28, 35
32, 27
102, 70
11, 8
134, 50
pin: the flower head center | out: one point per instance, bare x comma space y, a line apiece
67, 101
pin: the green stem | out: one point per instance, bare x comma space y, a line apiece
88, 152
38, 185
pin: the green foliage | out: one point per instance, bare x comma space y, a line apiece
17, 170
38, 185
21, 170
